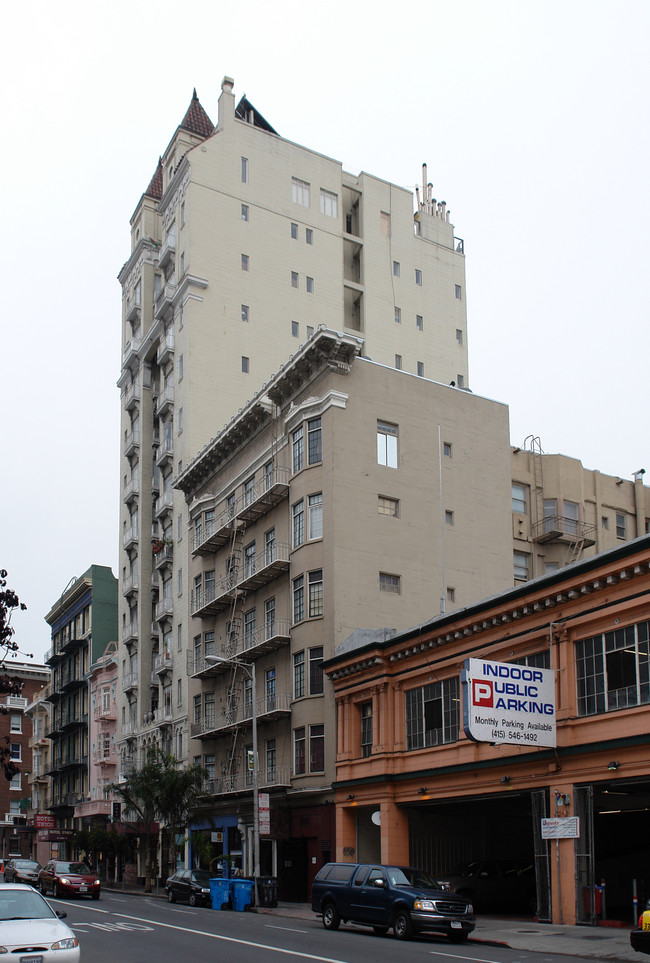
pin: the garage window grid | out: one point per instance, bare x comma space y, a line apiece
613, 670
432, 714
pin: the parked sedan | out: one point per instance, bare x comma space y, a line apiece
22, 871
191, 885
28, 922
65, 878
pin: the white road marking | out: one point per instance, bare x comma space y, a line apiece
232, 939
290, 929
476, 959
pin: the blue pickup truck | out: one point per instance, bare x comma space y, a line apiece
407, 899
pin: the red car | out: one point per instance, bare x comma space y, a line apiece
63, 878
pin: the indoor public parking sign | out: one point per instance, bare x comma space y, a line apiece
508, 703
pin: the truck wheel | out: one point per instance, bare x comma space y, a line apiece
331, 917
380, 930
458, 936
402, 925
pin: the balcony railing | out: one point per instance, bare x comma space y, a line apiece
164, 303
270, 636
130, 681
165, 350
164, 608
560, 528
133, 307
131, 442
164, 400
243, 782
167, 250
164, 451
107, 712
130, 537
162, 662
131, 395
252, 574
164, 504
131, 351
106, 756
252, 504
268, 707
130, 585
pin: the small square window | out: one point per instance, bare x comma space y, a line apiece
446, 449
421, 369
419, 322
294, 231
604, 523
310, 285
396, 269
389, 583
244, 170
244, 262
451, 594
398, 362
388, 506
520, 560
449, 518
310, 330
398, 315
245, 364
418, 276
244, 312
457, 291
309, 236
459, 336
182, 213
460, 380
295, 329
244, 212
328, 203
620, 525
294, 279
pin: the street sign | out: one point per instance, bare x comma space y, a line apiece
567, 827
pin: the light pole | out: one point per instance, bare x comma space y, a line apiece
250, 668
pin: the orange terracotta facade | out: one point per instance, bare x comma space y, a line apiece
604, 594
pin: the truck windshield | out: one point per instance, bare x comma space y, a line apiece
407, 876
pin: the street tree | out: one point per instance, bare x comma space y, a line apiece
9, 603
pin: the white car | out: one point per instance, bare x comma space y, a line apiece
30, 929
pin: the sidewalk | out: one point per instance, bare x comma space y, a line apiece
592, 942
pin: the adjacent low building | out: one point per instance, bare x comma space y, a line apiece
413, 787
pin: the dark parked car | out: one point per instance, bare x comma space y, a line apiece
191, 885
68, 878
407, 899
22, 871
495, 884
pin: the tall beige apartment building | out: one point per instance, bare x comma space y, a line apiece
346, 495
242, 245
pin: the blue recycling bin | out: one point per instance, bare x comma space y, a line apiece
242, 894
220, 893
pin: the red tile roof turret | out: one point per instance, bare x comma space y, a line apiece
155, 188
196, 120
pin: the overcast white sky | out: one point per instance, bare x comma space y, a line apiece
533, 119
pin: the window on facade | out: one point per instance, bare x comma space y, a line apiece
316, 748
249, 628
366, 729
16, 782
310, 285
451, 594
447, 449
420, 369
299, 598
449, 517
269, 618
419, 322
396, 269
271, 759
314, 441
386, 444
520, 560
298, 675
604, 523
297, 449
432, 714
389, 583
459, 336
309, 236
315, 581
315, 516
15, 751
245, 363
460, 380
244, 262
397, 312
269, 546
244, 170
571, 518
294, 231
249, 560
295, 329
299, 751
388, 506
300, 192
316, 670
457, 292
245, 312
418, 276
536, 660
398, 362
519, 498
269, 689
244, 212
298, 526
16, 722
328, 203
620, 525
613, 669
294, 279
